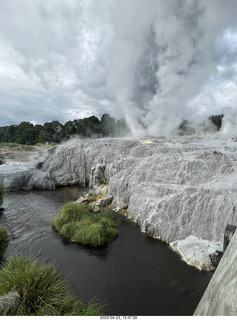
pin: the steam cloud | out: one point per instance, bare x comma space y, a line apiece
160, 60
149, 61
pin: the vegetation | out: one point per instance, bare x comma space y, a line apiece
16, 146
216, 120
2, 189
4, 240
185, 128
41, 290
188, 128
77, 222
55, 132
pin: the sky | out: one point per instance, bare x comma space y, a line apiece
153, 62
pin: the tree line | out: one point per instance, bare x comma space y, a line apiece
55, 132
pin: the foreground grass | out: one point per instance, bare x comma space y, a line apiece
41, 290
77, 222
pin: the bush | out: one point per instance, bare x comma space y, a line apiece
41, 290
4, 240
77, 222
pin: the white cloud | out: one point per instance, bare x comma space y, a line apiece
67, 59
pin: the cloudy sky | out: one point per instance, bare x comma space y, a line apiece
161, 59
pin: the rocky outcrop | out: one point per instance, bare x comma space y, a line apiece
24, 178
172, 189
198, 252
22, 170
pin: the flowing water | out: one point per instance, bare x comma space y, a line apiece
133, 275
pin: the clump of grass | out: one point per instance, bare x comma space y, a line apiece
77, 222
41, 290
4, 240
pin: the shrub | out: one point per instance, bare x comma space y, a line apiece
4, 240
77, 222
41, 290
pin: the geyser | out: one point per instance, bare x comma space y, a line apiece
162, 53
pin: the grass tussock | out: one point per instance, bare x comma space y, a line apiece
4, 240
41, 290
77, 222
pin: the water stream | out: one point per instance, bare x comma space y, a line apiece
133, 275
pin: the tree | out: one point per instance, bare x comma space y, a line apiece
121, 128
216, 120
51, 132
25, 133
92, 126
107, 125
10, 134
69, 129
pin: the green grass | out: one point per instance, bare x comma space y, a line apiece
77, 222
41, 289
4, 240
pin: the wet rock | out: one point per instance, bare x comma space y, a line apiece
198, 252
228, 234
216, 258
15, 178
98, 176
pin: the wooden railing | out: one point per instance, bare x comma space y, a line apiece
220, 297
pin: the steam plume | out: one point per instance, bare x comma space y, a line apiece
161, 55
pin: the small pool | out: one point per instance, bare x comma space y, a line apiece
133, 275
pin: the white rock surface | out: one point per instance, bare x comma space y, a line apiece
171, 188
23, 177
196, 252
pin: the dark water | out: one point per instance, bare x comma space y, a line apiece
133, 275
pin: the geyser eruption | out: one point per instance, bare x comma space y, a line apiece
161, 54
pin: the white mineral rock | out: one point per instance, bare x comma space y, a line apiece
196, 252
171, 188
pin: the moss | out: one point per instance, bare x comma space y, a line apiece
80, 183
95, 197
56, 183
123, 212
77, 222
42, 292
4, 240
102, 185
